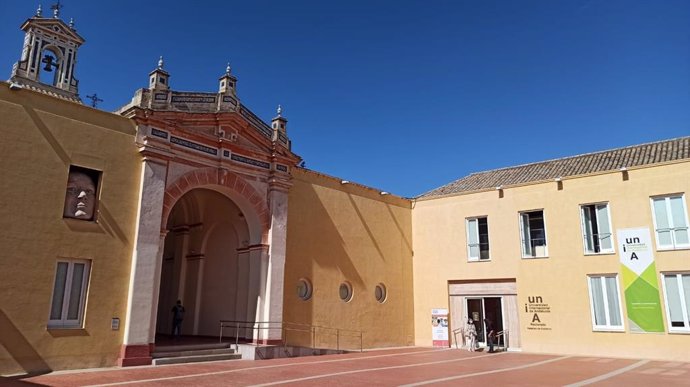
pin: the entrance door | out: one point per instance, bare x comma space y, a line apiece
479, 308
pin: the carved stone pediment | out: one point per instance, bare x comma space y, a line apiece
51, 26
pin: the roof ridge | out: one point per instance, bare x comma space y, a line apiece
648, 153
576, 156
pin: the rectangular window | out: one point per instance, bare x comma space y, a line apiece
533, 234
477, 239
69, 294
671, 222
605, 303
677, 291
596, 228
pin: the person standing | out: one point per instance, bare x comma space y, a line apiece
178, 316
470, 335
491, 334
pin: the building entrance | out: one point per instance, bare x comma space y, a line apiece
481, 308
206, 265
493, 299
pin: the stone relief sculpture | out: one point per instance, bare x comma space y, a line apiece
80, 196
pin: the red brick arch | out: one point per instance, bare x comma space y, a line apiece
212, 176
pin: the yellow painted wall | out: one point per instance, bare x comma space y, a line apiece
346, 232
561, 279
42, 136
336, 232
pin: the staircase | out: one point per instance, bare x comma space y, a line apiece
193, 353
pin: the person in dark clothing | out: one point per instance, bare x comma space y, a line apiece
178, 316
491, 334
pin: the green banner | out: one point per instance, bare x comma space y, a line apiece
640, 281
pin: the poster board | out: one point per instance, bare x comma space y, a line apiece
439, 327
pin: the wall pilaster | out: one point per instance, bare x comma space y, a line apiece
142, 302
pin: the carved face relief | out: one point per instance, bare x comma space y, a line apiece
80, 197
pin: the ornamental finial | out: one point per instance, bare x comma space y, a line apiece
56, 9
280, 110
228, 69
160, 62
39, 11
71, 23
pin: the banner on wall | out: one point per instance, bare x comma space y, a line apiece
439, 327
640, 280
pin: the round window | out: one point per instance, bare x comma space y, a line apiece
345, 291
304, 289
380, 293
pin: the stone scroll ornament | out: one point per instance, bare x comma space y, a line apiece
80, 195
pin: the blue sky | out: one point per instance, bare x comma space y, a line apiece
404, 96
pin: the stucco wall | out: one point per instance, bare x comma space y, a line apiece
346, 232
439, 233
41, 137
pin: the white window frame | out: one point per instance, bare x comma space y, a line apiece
64, 322
524, 236
607, 311
669, 214
683, 303
583, 225
478, 258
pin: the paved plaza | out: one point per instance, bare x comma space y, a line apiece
391, 367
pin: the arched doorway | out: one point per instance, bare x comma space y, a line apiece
206, 264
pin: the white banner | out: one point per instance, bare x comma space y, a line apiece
439, 327
635, 247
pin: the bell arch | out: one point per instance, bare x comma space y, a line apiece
51, 65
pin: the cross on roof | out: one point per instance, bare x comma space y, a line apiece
94, 99
56, 9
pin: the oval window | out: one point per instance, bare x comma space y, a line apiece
380, 293
345, 291
304, 289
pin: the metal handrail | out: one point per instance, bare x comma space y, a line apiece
502, 336
313, 329
244, 325
455, 336
285, 327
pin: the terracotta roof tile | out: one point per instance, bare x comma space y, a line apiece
609, 160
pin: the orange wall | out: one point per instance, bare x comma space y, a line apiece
346, 232
42, 136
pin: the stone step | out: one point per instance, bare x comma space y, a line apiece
196, 359
192, 347
194, 352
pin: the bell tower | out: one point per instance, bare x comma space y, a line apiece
49, 56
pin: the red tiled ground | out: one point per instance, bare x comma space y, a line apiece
394, 367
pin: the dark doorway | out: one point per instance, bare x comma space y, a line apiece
480, 308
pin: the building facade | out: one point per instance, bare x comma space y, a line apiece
110, 218
581, 255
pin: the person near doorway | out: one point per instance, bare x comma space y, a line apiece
178, 316
471, 335
491, 334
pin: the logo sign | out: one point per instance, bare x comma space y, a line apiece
640, 280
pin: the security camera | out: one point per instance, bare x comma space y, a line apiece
15, 86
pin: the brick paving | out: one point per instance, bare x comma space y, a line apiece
391, 367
